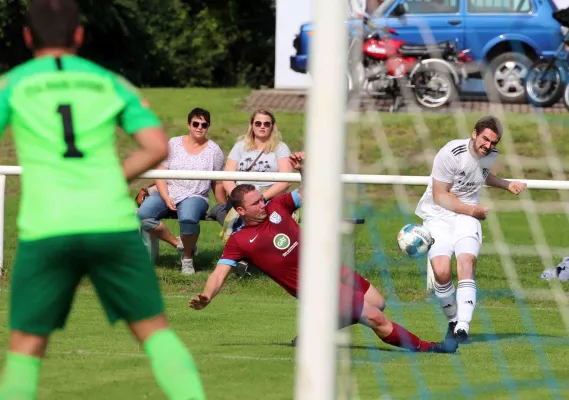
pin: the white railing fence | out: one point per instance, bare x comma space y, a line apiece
268, 177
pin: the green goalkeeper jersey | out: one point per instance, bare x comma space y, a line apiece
64, 113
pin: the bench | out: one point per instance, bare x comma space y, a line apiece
153, 244
216, 214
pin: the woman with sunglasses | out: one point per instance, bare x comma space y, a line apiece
261, 149
186, 199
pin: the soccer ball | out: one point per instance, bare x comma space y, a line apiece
414, 240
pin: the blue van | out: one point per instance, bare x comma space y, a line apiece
505, 36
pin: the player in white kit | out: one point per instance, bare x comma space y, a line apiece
450, 211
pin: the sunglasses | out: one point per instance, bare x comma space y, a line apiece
266, 124
204, 125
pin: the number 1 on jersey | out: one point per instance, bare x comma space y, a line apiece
68, 132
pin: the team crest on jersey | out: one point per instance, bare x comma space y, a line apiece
281, 241
485, 172
275, 218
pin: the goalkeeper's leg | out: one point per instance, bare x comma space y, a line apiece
128, 289
172, 363
20, 378
43, 284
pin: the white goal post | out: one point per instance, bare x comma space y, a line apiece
320, 252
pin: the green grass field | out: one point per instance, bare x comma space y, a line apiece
240, 341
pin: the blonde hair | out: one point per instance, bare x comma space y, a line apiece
275, 138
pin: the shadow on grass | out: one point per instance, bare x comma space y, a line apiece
205, 260
528, 337
288, 344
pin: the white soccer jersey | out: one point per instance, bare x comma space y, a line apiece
455, 164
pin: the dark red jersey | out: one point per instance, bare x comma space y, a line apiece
273, 245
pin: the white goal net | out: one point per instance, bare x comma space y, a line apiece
519, 329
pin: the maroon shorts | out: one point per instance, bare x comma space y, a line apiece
353, 287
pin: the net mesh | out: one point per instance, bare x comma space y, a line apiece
521, 320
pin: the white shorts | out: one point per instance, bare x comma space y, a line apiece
454, 235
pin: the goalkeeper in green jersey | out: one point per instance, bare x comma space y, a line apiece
76, 217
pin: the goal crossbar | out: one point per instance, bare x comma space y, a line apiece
364, 179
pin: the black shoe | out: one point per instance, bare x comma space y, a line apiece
293, 341
447, 346
450, 330
462, 337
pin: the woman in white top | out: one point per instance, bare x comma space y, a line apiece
261, 149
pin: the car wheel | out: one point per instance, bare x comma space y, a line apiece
504, 78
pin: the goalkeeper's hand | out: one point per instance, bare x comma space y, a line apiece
200, 302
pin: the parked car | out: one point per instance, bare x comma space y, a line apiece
505, 36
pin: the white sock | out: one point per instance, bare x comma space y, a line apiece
445, 294
466, 299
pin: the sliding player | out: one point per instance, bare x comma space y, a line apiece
270, 241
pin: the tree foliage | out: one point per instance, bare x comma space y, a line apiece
166, 42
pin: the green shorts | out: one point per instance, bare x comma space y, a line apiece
47, 272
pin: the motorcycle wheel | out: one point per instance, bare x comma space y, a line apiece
428, 82
544, 88
566, 96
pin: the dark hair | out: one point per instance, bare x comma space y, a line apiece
200, 113
52, 23
239, 193
488, 122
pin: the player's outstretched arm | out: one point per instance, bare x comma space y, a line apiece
514, 187
212, 287
152, 149
444, 198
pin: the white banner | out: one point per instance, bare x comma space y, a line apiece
291, 14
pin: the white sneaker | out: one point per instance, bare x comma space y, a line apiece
180, 247
549, 274
188, 266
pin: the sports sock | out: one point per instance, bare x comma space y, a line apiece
21, 377
173, 366
401, 337
466, 299
445, 293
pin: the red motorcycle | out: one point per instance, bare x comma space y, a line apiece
387, 67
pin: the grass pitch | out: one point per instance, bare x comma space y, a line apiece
240, 342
